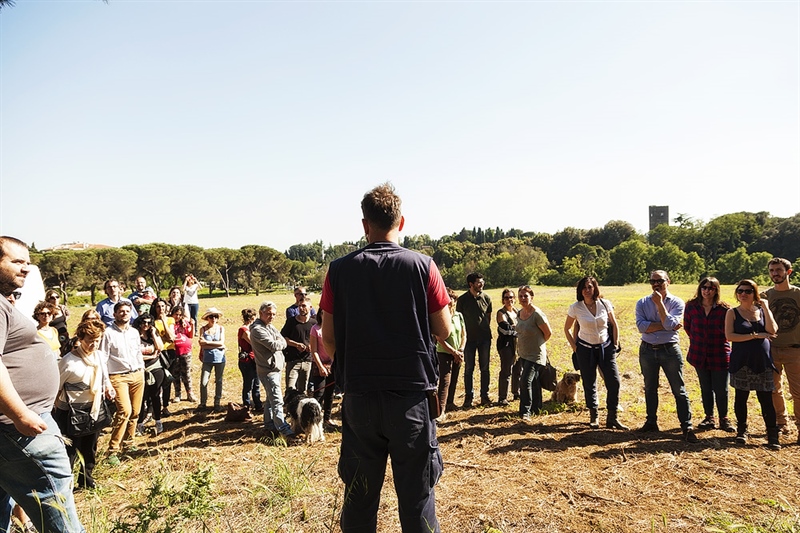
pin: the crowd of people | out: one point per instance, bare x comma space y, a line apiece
397, 366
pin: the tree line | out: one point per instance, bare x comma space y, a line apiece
730, 247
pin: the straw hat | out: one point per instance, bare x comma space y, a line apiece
211, 311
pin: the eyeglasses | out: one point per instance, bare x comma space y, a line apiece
508, 297
213, 316
299, 294
708, 288
17, 295
657, 281
45, 313
744, 291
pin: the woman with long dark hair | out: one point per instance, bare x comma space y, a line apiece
709, 351
749, 327
595, 346
251, 387
165, 327
153, 372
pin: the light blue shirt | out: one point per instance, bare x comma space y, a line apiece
106, 310
647, 313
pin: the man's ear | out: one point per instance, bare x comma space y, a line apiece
402, 223
366, 226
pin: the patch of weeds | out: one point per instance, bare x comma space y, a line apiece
170, 509
284, 481
725, 523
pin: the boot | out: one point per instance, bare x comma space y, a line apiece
741, 434
613, 423
594, 421
773, 441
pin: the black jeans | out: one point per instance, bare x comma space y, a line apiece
397, 425
591, 357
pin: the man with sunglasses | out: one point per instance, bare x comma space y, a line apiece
784, 302
294, 309
658, 317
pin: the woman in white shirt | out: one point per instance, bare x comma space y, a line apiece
595, 345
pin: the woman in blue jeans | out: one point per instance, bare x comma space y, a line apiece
533, 331
595, 345
212, 354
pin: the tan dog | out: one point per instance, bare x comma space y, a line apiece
567, 389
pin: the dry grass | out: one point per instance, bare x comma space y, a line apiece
500, 473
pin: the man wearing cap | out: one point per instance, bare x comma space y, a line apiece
34, 467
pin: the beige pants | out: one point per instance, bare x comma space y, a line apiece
130, 390
787, 361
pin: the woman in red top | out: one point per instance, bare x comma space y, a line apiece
709, 351
182, 368
251, 390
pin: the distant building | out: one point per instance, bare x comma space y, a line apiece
659, 214
77, 246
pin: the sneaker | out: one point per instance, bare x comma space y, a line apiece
741, 438
725, 425
526, 418
707, 423
690, 436
112, 460
139, 430
330, 424
503, 403
486, 402
176, 399
159, 427
467, 403
648, 427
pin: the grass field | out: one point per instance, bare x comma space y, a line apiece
501, 474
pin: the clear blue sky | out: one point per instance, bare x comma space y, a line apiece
231, 123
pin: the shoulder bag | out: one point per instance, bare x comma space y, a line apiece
548, 376
80, 421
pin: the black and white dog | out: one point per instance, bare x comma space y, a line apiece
304, 414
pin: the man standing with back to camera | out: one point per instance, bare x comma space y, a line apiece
382, 303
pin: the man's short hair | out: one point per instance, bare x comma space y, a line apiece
6, 239
306, 301
122, 303
266, 305
774, 261
381, 207
105, 285
473, 277
662, 272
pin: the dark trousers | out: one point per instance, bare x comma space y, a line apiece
84, 446
767, 408
448, 380
481, 349
590, 357
323, 391
507, 359
714, 389
166, 385
152, 395
530, 394
251, 387
397, 425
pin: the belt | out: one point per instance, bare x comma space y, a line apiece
125, 373
659, 346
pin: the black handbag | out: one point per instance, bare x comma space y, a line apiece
80, 421
548, 377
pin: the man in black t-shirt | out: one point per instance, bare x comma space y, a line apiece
297, 332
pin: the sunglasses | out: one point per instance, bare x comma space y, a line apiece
213, 316
508, 297
744, 291
707, 288
45, 313
17, 295
657, 281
